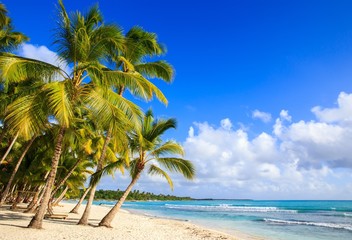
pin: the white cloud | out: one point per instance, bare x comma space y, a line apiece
44, 54
342, 113
285, 116
265, 117
226, 124
303, 159
298, 160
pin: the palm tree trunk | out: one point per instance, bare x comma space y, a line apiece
65, 178
17, 200
75, 209
106, 221
9, 148
7, 189
38, 196
85, 216
35, 198
12, 192
62, 195
37, 220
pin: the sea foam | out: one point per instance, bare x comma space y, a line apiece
228, 207
317, 224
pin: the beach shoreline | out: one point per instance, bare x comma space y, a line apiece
127, 225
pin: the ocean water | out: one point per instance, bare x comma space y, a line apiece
277, 220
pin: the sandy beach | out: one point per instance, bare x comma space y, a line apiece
127, 226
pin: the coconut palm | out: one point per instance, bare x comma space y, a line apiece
8, 41
107, 151
150, 152
83, 41
139, 44
9, 183
8, 38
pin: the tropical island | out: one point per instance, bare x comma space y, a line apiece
88, 101
66, 124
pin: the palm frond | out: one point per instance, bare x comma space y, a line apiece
16, 69
135, 83
60, 101
113, 107
169, 147
108, 169
159, 128
155, 170
178, 165
26, 115
158, 69
141, 43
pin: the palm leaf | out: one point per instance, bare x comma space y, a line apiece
154, 170
113, 107
59, 101
169, 147
135, 83
141, 43
15, 69
108, 169
26, 115
157, 69
179, 165
159, 128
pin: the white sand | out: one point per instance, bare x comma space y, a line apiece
126, 226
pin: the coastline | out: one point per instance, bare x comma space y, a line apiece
126, 225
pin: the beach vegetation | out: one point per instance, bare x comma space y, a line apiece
149, 152
136, 195
68, 124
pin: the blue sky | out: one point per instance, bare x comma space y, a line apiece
243, 69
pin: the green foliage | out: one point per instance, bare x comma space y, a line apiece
134, 195
38, 100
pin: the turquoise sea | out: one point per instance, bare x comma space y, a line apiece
277, 220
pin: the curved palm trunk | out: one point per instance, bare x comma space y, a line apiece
17, 200
37, 220
37, 197
37, 200
34, 199
9, 148
62, 195
75, 209
85, 216
65, 178
106, 221
8, 186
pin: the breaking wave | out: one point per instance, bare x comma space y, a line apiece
227, 207
317, 224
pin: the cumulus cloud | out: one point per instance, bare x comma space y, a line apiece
297, 160
226, 124
44, 54
342, 113
304, 159
265, 117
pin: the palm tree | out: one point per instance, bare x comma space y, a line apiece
151, 152
139, 44
78, 205
8, 38
83, 41
9, 184
8, 41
